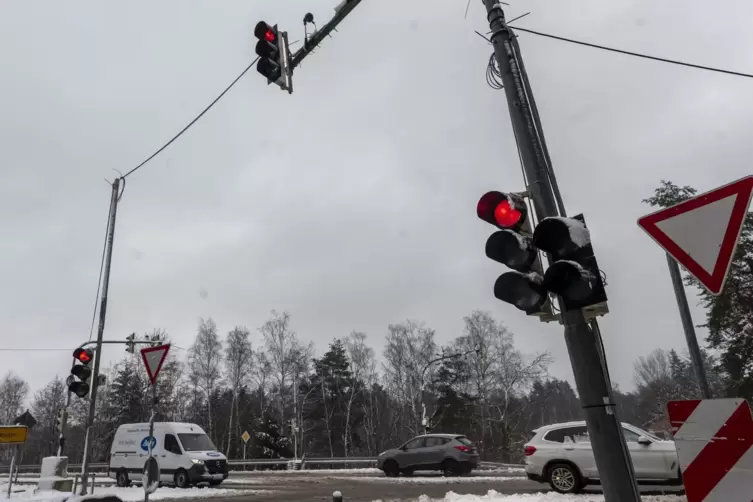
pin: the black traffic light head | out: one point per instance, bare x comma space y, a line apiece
81, 373
269, 49
574, 273
513, 247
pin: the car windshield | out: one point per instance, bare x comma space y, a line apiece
196, 442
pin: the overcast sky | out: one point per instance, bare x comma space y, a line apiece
350, 203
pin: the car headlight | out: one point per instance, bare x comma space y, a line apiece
196, 461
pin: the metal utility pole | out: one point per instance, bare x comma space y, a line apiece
605, 430
687, 326
100, 334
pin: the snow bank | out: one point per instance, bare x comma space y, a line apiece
132, 494
493, 496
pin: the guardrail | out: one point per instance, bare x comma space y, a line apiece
318, 461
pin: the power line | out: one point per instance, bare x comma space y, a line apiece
636, 54
193, 121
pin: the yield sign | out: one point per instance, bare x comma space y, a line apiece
153, 358
702, 233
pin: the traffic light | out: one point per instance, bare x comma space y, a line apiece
273, 54
573, 274
81, 372
512, 246
130, 343
60, 420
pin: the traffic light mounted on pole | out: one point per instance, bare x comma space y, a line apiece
60, 419
512, 246
78, 381
130, 343
274, 55
573, 274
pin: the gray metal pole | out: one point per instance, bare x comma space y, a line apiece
149, 480
615, 470
100, 335
687, 326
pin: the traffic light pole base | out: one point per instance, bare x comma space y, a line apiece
604, 428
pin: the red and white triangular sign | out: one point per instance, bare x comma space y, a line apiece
702, 233
153, 358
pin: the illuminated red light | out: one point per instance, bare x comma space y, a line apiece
83, 355
269, 36
505, 215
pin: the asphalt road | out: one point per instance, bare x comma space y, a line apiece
359, 488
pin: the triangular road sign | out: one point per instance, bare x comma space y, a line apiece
153, 358
702, 233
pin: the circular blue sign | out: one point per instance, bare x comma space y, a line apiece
145, 445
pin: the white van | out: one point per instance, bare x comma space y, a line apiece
185, 454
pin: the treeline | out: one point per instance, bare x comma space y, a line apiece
343, 403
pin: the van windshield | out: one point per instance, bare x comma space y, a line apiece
196, 442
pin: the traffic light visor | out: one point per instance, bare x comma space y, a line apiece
84, 356
511, 249
81, 372
569, 280
561, 236
501, 210
81, 389
265, 32
269, 69
266, 49
524, 291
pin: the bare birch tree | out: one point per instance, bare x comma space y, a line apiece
13, 393
282, 345
361, 358
205, 364
238, 361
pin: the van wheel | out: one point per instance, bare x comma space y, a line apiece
181, 479
564, 478
121, 479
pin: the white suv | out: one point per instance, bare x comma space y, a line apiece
561, 455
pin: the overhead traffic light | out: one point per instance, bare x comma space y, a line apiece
273, 54
513, 246
81, 373
573, 274
130, 343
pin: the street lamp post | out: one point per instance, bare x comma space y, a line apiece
424, 420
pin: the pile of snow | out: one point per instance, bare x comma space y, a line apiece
493, 496
132, 494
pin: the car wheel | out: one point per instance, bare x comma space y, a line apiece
408, 472
391, 469
121, 479
181, 479
450, 468
564, 478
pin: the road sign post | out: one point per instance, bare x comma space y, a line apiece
245, 437
701, 234
154, 358
14, 435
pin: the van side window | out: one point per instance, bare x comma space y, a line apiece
171, 444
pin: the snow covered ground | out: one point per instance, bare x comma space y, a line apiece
493, 496
26, 493
435, 480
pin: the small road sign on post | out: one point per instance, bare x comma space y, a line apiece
714, 441
13, 434
245, 437
154, 358
701, 234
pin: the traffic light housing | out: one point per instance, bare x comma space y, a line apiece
60, 419
512, 245
573, 274
81, 372
130, 343
273, 54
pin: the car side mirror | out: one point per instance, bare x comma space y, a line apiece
644, 441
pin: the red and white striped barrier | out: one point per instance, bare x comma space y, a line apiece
714, 441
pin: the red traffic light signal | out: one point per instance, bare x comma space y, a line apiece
502, 210
84, 356
265, 32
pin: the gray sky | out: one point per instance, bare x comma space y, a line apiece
350, 203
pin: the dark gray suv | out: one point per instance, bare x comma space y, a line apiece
453, 454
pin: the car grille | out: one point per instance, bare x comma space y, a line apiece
216, 466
